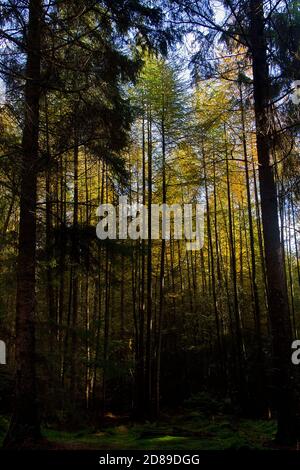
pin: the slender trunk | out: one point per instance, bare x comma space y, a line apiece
9, 213
295, 239
98, 290
87, 294
148, 359
238, 333
75, 278
162, 273
140, 367
212, 261
49, 254
255, 296
62, 260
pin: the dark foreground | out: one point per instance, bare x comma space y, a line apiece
187, 430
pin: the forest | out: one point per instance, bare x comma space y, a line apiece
144, 342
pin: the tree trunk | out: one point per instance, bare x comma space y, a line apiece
24, 426
148, 352
161, 277
75, 276
277, 301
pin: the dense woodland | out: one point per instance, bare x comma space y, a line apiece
164, 102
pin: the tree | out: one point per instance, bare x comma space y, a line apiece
250, 31
25, 421
277, 295
45, 32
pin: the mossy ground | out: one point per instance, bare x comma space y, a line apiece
187, 431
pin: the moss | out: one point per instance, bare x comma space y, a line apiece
190, 430
196, 432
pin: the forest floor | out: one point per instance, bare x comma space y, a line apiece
189, 430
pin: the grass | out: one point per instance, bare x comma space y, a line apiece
192, 431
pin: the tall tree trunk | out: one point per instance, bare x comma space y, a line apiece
148, 356
212, 262
62, 260
295, 239
161, 277
24, 424
75, 278
86, 307
140, 367
98, 317
277, 301
255, 297
49, 254
236, 308
107, 310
